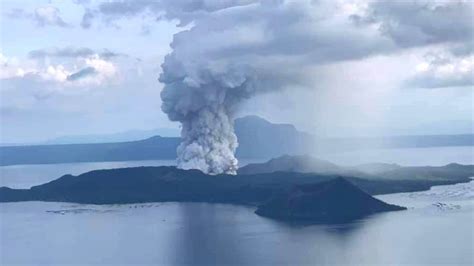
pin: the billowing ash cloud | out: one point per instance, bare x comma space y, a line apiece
233, 52
204, 102
204, 87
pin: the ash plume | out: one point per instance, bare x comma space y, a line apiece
228, 56
208, 74
204, 103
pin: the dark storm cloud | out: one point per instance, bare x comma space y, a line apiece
417, 23
85, 72
87, 18
401, 24
432, 81
107, 54
183, 10
279, 41
61, 52
463, 49
71, 52
42, 16
448, 24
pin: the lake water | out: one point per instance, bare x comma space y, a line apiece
436, 229
428, 233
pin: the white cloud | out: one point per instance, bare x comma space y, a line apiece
56, 73
36, 109
443, 70
100, 71
49, 15
10, 67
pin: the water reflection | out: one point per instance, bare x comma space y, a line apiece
206, 237
218, 234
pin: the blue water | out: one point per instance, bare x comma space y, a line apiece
37, 233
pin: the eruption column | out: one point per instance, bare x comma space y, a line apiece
203, 100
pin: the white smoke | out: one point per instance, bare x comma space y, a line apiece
204, 103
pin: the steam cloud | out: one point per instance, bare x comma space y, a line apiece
204, 102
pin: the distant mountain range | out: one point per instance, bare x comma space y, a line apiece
131, 135
298, 163
374, 171
257, 137
271, 139
418, 141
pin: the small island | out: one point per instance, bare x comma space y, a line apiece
336, 200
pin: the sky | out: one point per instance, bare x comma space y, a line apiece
332, 68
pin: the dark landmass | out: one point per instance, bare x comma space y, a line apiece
337, 200
393, 142
167, 183
377, 168
159, 148
451, 171
258, 139
125, 136
308, 164
301, 164
249, 130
